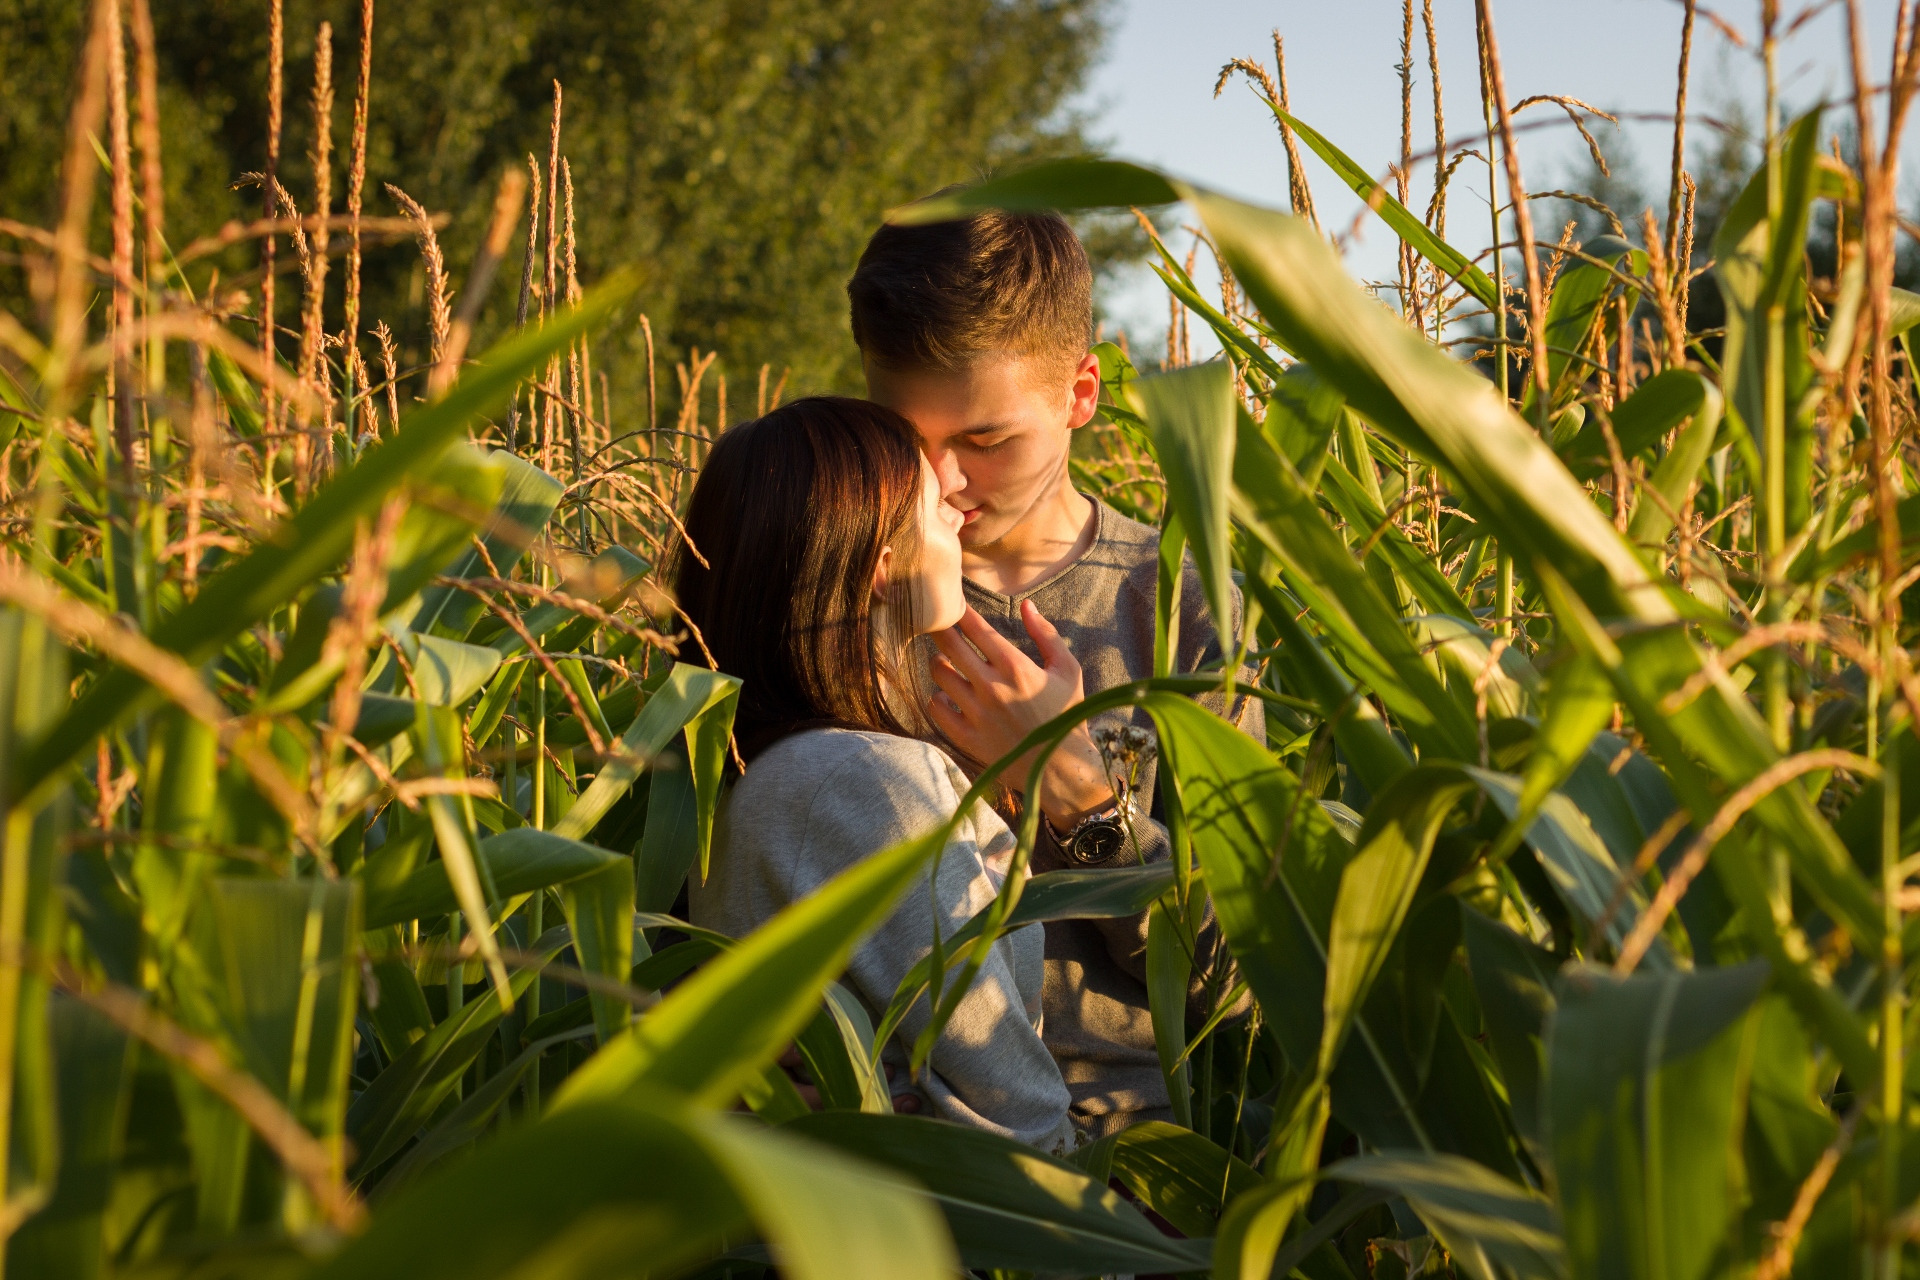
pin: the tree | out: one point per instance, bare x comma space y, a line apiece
738, 153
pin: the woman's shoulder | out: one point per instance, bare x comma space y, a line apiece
851, 763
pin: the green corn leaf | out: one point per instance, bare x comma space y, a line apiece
519, 861
170, 870
1507, 684
688, 692
1008, 1205
1302, 414
828, 1217
1376, 890
470, 1121
1275, 508
447, 672
442, 752
718, 1030
1418, 397
382, 718
492, 708
1232, 338
1175, 1172
669, 846
284, 981
1658, 405
1789, 1126
1582, 871
319, 535
599, 907
1514, 981
837, 1046
1249, 1242
1108, 893
1809, 989
709, 736
1277, 922
1493, 1227
220, 1145
410, 1091
592, 1190
402, 1015
1420, 576
1191, 414
1274, 864
1530, 502
1814, 561
1643, 1104
68, 1236
447, 501
1372, 751
527, 501
1579, 292
773, 1096
574, 673
1169, 974
1757, 265
1103, 894
607, 579
243, 404
1405, 224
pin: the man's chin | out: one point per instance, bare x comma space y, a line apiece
983, 532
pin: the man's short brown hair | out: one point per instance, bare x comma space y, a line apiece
940, 296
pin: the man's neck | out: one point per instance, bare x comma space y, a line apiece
1056, 533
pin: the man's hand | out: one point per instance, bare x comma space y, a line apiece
992, 695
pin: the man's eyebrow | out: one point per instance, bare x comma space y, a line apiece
985, 429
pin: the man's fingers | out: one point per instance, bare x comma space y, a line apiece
810, 1095
906, 1104
950, 681
953, 646
999, 652
946, 716
1054, 654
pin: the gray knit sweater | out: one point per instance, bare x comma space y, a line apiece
816, 803
1097, 1021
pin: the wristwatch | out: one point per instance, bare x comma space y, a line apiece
1094, 840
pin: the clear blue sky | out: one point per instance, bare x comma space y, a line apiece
1152, 99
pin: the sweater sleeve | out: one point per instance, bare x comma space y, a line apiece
989, 1069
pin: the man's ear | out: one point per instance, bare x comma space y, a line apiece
882, 575
1085, 391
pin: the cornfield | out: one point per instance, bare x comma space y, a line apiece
353, 759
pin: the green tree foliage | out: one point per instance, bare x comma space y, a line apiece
739, 154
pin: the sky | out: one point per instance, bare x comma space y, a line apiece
1152, 100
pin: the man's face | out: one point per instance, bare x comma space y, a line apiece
997, 433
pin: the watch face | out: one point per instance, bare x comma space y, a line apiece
1099, 842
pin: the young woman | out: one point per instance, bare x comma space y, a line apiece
818, 549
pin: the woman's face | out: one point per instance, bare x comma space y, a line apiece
938, 601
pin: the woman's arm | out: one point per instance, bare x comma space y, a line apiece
989, 1069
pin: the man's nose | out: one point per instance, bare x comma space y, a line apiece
946, 469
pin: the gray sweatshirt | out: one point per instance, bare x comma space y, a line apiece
1097, 1020
817, 802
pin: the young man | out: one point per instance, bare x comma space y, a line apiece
978, 332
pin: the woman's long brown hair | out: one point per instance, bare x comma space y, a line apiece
790, 514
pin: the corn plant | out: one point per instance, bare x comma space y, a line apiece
353, 759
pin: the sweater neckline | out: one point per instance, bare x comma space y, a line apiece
1100, 511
